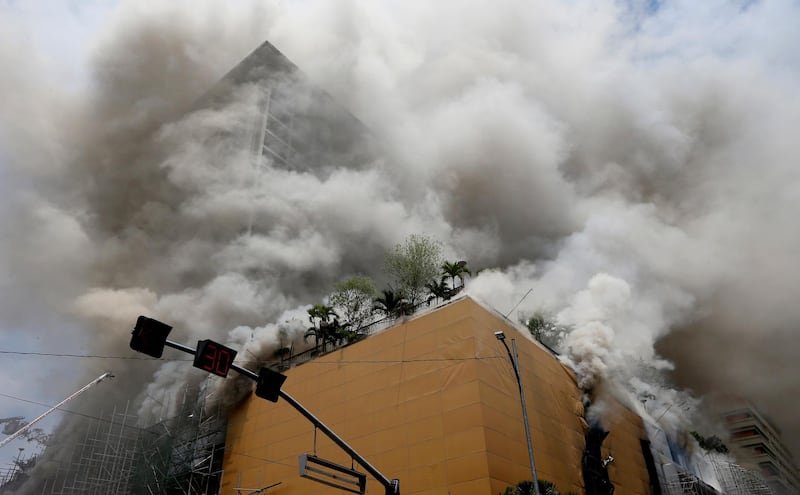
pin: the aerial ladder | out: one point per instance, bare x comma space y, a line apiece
46, 413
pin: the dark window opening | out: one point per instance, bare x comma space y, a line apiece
650, 463
595, 472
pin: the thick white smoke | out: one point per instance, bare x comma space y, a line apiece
633, 163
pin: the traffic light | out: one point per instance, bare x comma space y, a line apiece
269, 384
213, 357
149, 336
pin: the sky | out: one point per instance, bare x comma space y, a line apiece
62, 33
630, 163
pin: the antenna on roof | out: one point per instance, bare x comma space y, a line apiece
520, 302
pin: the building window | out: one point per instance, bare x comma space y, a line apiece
760, 449
732, 418
751, 431
768, 469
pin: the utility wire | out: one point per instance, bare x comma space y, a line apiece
313, 361
93, 356
109, 421
520, 302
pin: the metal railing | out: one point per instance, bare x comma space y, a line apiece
375, 326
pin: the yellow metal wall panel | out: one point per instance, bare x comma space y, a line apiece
507, 447
424, 429
416, 346
418, 408
463, 418
467, 467
481, 485
457, 396
433, 401
421, 453
502, 468
505, 421
457, 373
465, 442
413, 369
419, 386
397, 456
424, 479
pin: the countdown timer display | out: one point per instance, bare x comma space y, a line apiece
214, 357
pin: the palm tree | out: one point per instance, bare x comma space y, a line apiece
343, 332
437, 290
322, 312
390, 303
316, 333
285, 346
453, 270
321, 330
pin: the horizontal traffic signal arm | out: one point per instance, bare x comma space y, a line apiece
149, 336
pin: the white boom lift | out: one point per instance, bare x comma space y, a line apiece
79, 392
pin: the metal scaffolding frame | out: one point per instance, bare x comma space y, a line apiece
16, 472
103, 461
733, 480
181, 455
683, 483
736, 480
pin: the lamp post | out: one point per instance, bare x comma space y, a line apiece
515, 363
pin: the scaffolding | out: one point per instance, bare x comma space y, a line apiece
16, 473
103, 461
181, 455
732, 478
683, 483
736, 480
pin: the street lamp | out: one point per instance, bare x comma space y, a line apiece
515, 363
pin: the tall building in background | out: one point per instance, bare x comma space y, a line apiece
281, 121
756, 444
296, 126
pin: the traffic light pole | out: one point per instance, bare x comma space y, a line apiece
392, 486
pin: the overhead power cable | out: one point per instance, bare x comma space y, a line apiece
93, 356
313, 361
104, 420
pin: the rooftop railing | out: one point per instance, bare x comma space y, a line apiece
376, 325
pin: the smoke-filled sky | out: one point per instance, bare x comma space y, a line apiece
634, 163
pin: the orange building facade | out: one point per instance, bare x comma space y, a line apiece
433, 402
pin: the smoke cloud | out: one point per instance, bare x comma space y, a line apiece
630, 163
15, 423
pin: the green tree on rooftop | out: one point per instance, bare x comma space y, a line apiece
455, 271
545, 329
413, 264
323, 320
352, 299
390, 303
438, 290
